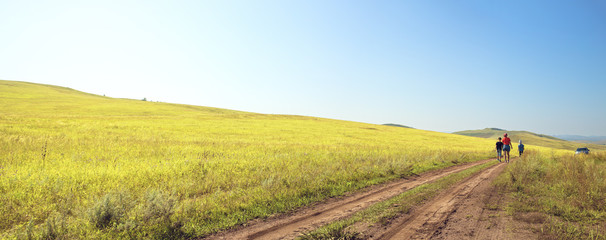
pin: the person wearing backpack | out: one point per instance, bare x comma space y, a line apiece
520, 148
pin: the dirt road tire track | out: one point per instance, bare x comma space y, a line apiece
423, 222
482, 215
310, 218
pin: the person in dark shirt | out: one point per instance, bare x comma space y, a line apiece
499, 149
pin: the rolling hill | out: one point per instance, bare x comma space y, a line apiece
396, 125
106, 168
530, 138
601, 140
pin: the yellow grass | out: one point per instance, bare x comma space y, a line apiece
569, 190
76, 165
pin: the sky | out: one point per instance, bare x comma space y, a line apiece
443, 66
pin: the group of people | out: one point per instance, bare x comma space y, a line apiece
506, 146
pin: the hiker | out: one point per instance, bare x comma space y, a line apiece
506, 147
520, 148
499, 149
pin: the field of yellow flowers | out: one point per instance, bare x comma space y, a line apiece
77, 165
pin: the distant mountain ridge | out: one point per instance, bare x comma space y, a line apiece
529, 138
584, 139
396, 125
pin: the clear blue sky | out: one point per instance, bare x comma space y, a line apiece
437, 65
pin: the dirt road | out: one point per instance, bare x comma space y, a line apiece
307, 219
425, 221
474, 209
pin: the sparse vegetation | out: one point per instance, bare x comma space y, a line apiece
337, 231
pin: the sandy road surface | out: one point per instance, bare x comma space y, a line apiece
473, 209
426, 220
310, 218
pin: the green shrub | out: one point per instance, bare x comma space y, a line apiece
54, 228
159, 206
110, 210
159, 214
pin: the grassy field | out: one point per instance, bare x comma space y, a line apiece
77, 165
569, 191
531, 138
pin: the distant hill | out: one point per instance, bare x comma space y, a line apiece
396, 125
529, 138
584, 139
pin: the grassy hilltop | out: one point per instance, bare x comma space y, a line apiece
77, 165
530, 138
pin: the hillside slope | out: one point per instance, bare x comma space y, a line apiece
601, 140
529, 138
31, 99
69, 158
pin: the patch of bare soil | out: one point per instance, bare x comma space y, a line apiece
473, 209
309, 218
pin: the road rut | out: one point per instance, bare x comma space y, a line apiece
310, 218
428, 219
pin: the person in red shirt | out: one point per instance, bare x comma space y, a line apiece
506, 147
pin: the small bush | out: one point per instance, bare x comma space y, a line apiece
29, 230
110, 210
159, 206
158, 212
53, 228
